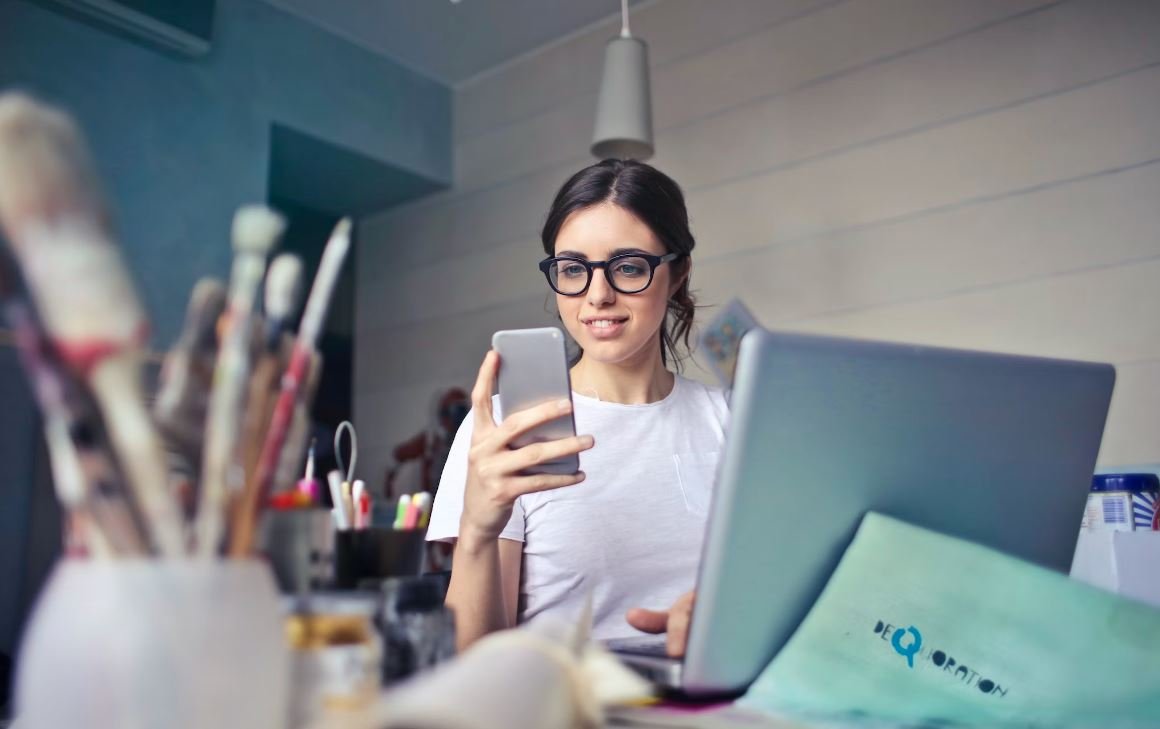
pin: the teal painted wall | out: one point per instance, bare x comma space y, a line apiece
182, 142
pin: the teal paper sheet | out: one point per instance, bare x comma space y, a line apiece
918, 629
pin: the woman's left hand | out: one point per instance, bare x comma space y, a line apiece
674, 622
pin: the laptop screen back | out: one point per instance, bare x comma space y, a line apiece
992, 448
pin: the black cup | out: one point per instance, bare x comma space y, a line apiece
299, 544
364, 556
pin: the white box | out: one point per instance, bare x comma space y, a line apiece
1126, 563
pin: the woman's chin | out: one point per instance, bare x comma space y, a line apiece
610, 351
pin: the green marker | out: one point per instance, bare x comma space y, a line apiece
401, 511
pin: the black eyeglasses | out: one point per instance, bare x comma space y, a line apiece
628, 273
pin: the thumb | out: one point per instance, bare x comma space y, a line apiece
649, 621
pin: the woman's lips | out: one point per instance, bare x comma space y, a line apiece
605, 328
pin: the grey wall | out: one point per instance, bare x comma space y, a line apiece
972, 173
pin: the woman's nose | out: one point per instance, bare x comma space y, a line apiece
599, 290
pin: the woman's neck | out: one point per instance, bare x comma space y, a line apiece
631, 383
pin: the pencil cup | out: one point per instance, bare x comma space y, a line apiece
370, 555
299, 544
155, 643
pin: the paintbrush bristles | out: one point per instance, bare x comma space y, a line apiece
57, 225
256, 229
45, 169
206, 304
282, 286
185, 380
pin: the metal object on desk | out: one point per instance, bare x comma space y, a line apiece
299, 544
418, 630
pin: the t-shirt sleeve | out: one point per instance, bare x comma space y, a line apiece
448, 507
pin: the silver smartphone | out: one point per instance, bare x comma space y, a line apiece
533, 369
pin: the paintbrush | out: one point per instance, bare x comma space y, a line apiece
58, 227
248, 509
255, 231
187, 376
282, 295
85, 477
283, 282
293, 450
292, 381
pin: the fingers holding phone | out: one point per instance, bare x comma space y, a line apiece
533, 378
484, 420
529, 460
535, 448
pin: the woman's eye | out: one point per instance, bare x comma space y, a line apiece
629, 268
572, 270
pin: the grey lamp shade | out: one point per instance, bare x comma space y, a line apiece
624, 110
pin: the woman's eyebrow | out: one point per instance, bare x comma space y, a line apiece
617, 252
622, 251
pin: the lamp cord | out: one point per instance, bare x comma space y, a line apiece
624, 33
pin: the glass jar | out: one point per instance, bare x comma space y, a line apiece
1123, 502
336, 654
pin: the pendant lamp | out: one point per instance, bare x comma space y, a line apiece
624, 109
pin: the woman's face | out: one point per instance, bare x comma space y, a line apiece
610, 326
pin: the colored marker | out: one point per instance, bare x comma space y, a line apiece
411, 519
424, 500
401, 511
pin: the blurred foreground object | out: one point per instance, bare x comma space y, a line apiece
544, 675
153, 643
59, 230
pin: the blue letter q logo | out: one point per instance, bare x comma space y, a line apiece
908, 650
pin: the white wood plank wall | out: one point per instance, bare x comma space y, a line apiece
972, 173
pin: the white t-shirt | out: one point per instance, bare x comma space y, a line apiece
631, 532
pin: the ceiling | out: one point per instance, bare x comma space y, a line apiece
452, 41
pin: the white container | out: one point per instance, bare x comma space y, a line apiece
1120, 562
155, 643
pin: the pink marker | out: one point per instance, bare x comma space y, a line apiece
362, 505
308, 485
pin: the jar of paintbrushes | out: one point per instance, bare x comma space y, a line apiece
159, 615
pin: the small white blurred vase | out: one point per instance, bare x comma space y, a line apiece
150, 644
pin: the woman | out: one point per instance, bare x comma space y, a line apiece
628, 528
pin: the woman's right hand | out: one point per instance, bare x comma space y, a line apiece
493, 467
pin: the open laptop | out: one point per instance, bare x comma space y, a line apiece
996, 449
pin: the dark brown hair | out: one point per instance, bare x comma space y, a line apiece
655, 199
